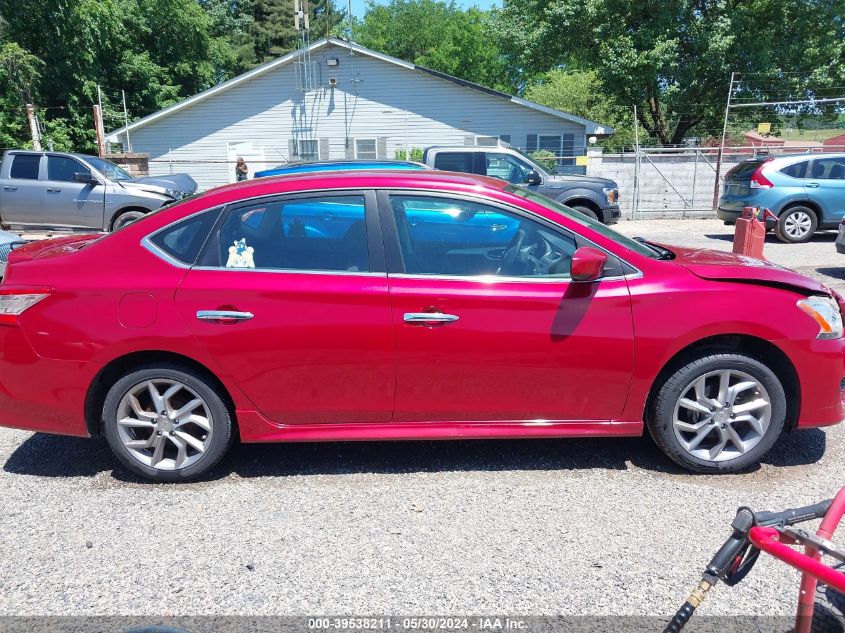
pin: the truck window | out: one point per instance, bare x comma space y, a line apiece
62, 168
25, 166
454, 161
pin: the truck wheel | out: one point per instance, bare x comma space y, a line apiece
586, 211
127, 217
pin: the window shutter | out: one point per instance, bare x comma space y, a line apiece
469, 141
381, 147
531, 145
292, 153
350, 149
505, 138
324, 149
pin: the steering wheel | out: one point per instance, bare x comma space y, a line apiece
512, 250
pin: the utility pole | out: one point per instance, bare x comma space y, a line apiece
33, 126
98, 128
126, 122
722, 145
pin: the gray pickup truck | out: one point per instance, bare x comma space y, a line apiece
54, 190
595, 197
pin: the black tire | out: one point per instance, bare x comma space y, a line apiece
127, 217
661, 413
829, 609
218, 419
586, 211
789, 225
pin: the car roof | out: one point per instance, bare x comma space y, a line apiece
365, 179
343, 164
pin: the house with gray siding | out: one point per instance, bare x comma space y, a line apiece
335, 99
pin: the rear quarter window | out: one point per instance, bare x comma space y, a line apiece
184, 240
796, 170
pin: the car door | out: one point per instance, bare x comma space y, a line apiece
22, 196
69, 203
825, 185
495, 329
299, 318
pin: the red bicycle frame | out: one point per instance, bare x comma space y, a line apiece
773, 542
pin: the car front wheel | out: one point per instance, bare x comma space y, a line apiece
166, 423
718, 413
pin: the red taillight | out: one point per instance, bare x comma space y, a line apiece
15, 301
759, 181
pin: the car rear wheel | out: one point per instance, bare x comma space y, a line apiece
166, 423
796, 225
718, 413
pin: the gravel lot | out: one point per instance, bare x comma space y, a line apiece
509, 527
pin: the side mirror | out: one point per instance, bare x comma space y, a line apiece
533, 178
85, 177
587, 264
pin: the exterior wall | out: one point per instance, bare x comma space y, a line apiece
371, 99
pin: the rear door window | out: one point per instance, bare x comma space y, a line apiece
796, 170
828, 169
25, 166
454, 161
314, 233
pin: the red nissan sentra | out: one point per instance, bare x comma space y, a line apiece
406, 305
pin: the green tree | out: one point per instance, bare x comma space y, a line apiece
19, 75
436, 34
673, 58
581, 93
273, 33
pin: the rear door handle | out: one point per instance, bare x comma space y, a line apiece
813, 185
53, 190
427, 318
9, 188
223, 315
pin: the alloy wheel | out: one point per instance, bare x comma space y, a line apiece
164, 424
797, 224
722, 415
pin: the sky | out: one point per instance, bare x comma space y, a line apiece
358, 5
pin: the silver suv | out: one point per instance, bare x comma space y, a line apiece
53, 190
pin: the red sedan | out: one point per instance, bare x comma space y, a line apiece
406, 305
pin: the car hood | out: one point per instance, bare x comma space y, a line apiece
723, 266
572, 179
182, 183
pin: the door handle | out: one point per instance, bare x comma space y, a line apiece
223, 315
53, 190
9, 188
813, 185
428, 318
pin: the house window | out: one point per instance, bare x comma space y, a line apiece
366, 148
486, 141
550, 144
307, 148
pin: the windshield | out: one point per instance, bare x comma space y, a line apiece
531, 161
638, 247
108, 169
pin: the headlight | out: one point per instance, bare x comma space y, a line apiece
612, 195
825, 312
176, 195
